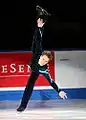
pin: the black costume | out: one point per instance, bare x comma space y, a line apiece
36, 69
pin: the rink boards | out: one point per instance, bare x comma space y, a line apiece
68, 70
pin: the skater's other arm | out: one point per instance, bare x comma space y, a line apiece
61, 93
47, 75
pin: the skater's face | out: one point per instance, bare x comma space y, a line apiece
43, 60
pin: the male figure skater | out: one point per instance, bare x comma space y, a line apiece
38, 66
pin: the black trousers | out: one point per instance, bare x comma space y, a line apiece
29, 87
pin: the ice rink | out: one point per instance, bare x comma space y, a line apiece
44, 110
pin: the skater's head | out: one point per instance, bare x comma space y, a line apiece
45, 57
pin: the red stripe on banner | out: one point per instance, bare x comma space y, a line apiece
14, 69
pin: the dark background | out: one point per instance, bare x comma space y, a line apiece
63, 31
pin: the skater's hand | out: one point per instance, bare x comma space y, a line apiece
62, 94
40, 22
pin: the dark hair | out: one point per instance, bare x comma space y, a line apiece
48, 54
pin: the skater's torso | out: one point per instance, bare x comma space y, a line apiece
35, 65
